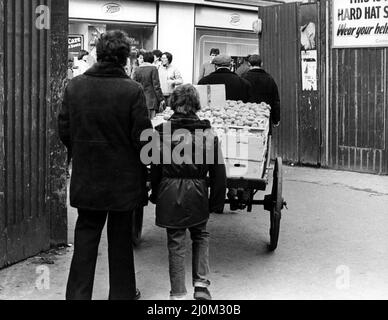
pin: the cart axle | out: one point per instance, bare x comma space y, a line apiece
255, 202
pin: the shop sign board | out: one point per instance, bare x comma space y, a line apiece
135, 11
75, 43
360, 23
224, 18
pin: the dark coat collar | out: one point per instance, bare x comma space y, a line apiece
257, 71
189, 121
106, 69
223, 70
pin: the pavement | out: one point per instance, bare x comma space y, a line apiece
333, 244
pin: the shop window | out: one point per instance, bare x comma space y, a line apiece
86, 35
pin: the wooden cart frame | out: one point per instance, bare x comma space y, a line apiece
273, 202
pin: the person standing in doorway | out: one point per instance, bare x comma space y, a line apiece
169, 76
101, 120
209, 67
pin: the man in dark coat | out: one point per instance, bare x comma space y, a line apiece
263, 87
180, 189
235, 87
148, 76
101, 120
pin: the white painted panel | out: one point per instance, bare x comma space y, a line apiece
176, 35
134, 11
225, 18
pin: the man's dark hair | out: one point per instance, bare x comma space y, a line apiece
148, 57
157, 53
255, 60
114, 46
169, 56
214, 51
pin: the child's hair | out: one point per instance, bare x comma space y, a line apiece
185, 99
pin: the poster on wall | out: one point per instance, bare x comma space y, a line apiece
75, 44
308, 46
360, 23
309, 70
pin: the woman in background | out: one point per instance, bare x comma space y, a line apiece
169, 76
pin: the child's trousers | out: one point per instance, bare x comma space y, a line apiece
176, 242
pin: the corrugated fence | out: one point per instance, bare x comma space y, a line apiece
358, 110
24, 151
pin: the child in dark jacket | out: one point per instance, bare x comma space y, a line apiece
180, 189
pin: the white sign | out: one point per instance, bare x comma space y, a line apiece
106, 10
309, 70
224, 18
360, 23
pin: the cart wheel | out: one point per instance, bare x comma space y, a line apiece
278, 203
137, 226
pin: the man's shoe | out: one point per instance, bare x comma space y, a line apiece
137, 296
202, 294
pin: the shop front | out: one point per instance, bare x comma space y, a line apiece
89, 19
190, 30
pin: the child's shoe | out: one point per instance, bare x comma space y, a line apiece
178, 297
202, 294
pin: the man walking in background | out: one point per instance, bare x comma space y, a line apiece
263, 88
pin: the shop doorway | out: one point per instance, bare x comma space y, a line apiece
238, 44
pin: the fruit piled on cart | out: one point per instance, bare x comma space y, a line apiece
233, 114
237, 113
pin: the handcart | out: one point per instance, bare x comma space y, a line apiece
248, 173
256, 178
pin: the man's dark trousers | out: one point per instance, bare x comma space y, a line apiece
120, 251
